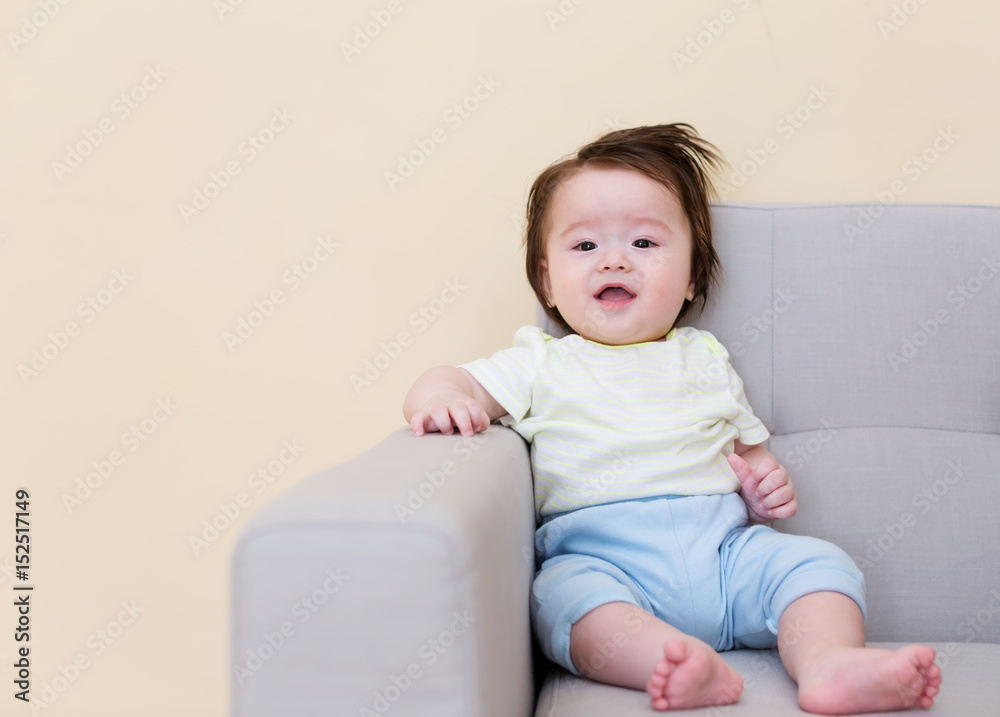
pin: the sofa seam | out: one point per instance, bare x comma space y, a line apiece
758, 206
774, 417
888, 426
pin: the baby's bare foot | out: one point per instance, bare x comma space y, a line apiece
692, 675
856, 679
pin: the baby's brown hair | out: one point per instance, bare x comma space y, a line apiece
672, 155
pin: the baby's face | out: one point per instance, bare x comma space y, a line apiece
617, 256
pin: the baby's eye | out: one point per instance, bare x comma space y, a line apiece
586, 246
642, 243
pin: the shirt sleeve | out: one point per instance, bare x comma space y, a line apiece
509, 374
751, 430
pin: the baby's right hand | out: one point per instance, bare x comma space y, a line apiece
443, 412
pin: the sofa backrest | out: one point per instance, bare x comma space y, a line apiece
868, 339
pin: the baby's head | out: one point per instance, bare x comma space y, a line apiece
669, 165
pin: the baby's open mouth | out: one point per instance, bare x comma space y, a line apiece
615, 293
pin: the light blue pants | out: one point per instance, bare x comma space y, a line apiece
689, 560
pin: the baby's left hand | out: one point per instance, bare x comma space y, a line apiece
767, 489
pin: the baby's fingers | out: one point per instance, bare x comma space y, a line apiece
471, 417
480, 419
785, 506
442, 416
781, 496
421, 423
435, 418
467, 417
772, 481
743, 473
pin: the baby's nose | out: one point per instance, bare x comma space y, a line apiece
614, 258
615, 265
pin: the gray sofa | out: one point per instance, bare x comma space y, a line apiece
868, 337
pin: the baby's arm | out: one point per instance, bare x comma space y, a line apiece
767, 489
445, 396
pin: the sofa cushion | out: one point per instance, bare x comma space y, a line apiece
871, 350
868, 340
969, 689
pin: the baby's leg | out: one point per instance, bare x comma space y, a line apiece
622, 644
821, 639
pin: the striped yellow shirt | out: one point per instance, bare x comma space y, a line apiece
611, 423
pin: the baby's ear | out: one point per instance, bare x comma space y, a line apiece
690, 292
547, 284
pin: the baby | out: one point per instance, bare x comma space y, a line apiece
651, 481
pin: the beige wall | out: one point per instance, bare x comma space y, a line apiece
873, 84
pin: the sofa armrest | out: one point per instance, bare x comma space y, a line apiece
399, 579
